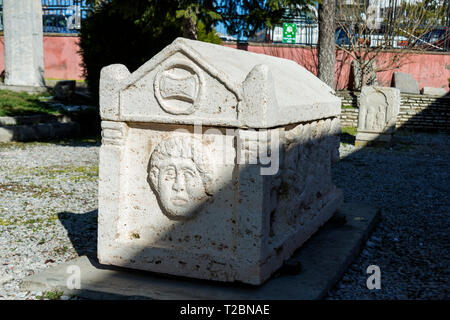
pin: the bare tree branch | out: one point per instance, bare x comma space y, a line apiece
400, 25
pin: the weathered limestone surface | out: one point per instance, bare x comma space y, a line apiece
434, 91
378, 110
215, 162
405, 83
24, 57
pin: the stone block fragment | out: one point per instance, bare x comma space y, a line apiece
24, 53
378, 111
405, 83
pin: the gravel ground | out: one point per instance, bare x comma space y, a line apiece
48, 198
48, 194
409, 183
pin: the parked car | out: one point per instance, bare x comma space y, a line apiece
53, 23
341, 37
371, 40
394, 42
436, 39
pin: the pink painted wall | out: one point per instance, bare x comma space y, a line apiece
429, 69
61, 58
62, 61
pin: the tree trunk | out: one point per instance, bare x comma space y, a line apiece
327, 45
189, 28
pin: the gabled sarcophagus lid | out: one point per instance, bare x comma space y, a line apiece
193, 81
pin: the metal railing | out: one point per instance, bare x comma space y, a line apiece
307, 33
433, 38
59, 16
66, 16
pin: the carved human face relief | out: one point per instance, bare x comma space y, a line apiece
180, 186
180, 177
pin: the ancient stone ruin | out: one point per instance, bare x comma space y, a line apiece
215, 162
24, 53
405, 82
378, 110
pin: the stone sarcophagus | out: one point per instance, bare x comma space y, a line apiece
215, 162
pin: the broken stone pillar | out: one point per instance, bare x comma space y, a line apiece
378, 110
215, 162
24, 58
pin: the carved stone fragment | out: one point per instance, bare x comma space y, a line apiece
378, 110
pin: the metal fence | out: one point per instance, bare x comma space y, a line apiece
66, 16
59, 16
307, 33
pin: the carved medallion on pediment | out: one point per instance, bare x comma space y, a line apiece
178, 87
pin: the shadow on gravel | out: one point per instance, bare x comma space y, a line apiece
77, 143
347, 138
82, 231
86, 141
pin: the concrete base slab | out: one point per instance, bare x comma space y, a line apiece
33, 119
371, 136
364, 138
28, 89
40, 131
364, 143
323, 260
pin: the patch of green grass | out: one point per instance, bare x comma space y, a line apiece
56, 79
94, 140
6, 222
81, 172
347, 106
22, 103
51, 295
61, 250
52, 218
35, 190
349, 130
88, 140
21, 145
33, 222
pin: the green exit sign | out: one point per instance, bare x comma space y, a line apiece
289, 32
